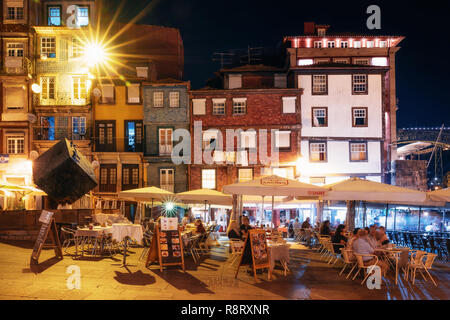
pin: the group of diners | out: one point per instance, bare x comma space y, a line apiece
362, 241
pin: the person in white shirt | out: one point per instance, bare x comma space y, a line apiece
185, 220
361, 245
371, 238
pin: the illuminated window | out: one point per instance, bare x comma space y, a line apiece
283, 139
158, 99
219, 106
239, 106
319, 117
79, 87
359, 117
379, 61
174, 99
77, 48
134, 93
341, 60
79, 125
165, 141
208, 179
245, 175
370, 44
48, 47
319, 84
83, 16
331, 44
48, 88
321, 32
199, 106
359, 83
305, 62
54, 16
317, 151
363, 61
344, 44
358, 151
142, 72
357, 44
317, 44
15, 144
107, 93
383, 44
321, 61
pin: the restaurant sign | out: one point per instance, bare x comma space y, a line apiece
274, 181
4, 158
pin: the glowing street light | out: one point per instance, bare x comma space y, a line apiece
36, 88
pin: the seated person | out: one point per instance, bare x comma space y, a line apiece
382, 238
233, 231
200, 229
338, 239
297, 224
325, 228
306, 224
245, 227
371, 237
185, 219
362, 246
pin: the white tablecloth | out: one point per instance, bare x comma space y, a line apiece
278, 252
122, 230
95, 232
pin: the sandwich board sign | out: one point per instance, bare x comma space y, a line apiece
256, 252
48, 228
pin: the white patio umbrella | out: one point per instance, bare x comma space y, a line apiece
205, 196
145, 194
440, 195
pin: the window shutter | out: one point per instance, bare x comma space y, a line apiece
107, 93
134, 93
234, 81
283, 139
289, 104
199, 106
15, 98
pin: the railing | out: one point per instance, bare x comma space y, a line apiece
42, 133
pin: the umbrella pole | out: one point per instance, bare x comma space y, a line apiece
263, 216
395, 218
364, 214
151, 211
273, 213
387, 211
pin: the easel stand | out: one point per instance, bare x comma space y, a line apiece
46, 229
257, 244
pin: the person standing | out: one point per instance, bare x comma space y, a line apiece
306, 224
245, 227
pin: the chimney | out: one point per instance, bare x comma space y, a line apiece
309, 28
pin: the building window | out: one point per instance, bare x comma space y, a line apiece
83, 16
158, 99
344, 44
370, 44
209, 139
134, 93
289, 104
331, 44
79, 126
142, 72
364, 61
48, 47
245, 175
77, 48
319, 117
317, 151
360, 118
359, 83
79, 88
133, 136
199, 106
15, 98
218, 106
108, 178
167, 179
234, 81
107, 93
317, 44
317, 180
54, 16
305, 62
283, 139
48, 88
15, 49
319, 84
358, 151
321, 61
15, 144
165, 141
383, 44
357, 44
239, 106
341, 60
280, 81
15, 13
174, 99
248, 140
106, 133
286, 172
380, 61
130, 176
208, 179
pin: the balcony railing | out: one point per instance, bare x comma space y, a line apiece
49, 134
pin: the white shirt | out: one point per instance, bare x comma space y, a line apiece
185, 221
362, 246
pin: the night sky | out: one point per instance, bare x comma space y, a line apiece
423, 65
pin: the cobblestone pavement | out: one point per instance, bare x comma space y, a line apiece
310, 278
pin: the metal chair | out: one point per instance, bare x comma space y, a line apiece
361, 266
69, 238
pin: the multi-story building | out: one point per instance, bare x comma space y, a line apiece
16, 79
253, 98
166, 109
348, 113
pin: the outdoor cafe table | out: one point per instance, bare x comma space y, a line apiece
279, 252
123, 232
95, 232
401, 256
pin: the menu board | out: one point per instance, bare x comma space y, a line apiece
48, 227
167, 248
256, 252
169, 224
